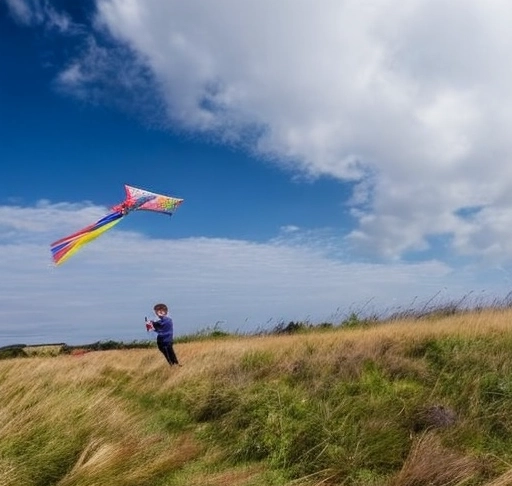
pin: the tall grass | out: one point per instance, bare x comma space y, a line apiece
401, 403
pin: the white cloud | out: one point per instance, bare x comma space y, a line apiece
243, 284
20, 10
414, 95
290, 228
40, 12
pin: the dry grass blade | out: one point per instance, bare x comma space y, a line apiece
431, 463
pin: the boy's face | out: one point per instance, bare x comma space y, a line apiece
160, 312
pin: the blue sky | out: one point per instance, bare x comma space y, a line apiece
336, 158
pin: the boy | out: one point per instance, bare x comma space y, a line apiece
164, 329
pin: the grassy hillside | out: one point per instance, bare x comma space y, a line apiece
406, 403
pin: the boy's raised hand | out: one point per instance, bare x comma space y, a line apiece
149, 325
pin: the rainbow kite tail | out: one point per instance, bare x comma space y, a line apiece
65, 247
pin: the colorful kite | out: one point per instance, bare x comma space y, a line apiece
136, 200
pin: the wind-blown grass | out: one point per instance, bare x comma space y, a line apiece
401, 403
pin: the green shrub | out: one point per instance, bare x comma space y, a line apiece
15, 351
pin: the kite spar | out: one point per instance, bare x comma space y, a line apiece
136, 200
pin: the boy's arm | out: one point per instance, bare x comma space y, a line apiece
157, 325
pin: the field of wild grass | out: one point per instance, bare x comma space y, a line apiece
414, 402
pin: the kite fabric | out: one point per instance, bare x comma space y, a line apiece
149, 201
136, 199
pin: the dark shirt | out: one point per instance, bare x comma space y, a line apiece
164, 328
